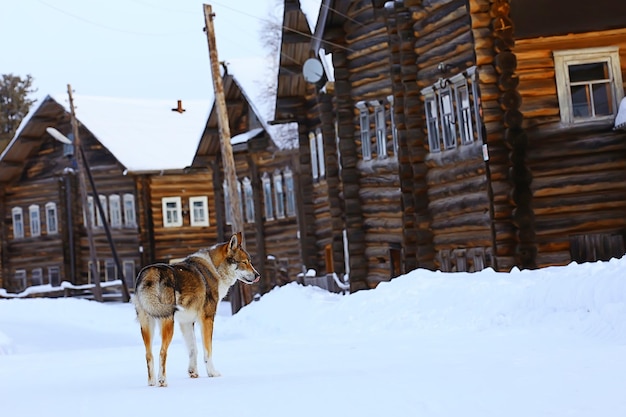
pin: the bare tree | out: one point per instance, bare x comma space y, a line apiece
14, 104
286, 135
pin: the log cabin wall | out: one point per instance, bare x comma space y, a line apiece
418, 250
458, 187
371, 187
176, 242
111, 182
579, 173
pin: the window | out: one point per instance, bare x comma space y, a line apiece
452, 111
37, 277
589, 83
90, 216
18, 222
320, 153
19, 279
228, 203
129, 271
291, 194
110, 270
103, 203
52, 223
267, 197
35, 220
381, 130
199, 211
115, 209
279, 195
54, 276
249, 199
313, 147
172, 212
364, 126
394, 129
129, 210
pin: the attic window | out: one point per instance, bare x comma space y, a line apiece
589, 84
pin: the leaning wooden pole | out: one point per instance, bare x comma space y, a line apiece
228, 161
97, 290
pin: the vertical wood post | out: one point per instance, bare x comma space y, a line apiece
97, 291
228, 161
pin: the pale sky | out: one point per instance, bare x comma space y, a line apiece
132, 48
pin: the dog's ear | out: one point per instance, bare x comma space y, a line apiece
232, 245
240, 238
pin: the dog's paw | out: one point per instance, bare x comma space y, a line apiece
213, 373
151, 382
193, 373
162, 383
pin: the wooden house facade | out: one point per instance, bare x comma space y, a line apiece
43, 234
464, 133
156, 212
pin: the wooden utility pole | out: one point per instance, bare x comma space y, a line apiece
228, 161
97, 290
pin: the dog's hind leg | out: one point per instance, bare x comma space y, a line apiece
207, 341
147, 330
167, 332
187, 328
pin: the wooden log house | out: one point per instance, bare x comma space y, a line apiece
43, 234
177, 207
467, 133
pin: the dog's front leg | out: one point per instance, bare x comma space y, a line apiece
167, 332
190, 340
207, 341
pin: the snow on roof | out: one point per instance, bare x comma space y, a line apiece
246, 136
144, 135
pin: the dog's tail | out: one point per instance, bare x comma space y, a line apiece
155, 291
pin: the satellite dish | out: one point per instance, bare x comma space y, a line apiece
312, 70
58, 136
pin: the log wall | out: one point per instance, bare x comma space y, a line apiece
579, 174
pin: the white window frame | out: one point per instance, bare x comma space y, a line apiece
52, 219
36, 277
115, 209
129, 270
130, 217
34, 218
279, 195
267, 197
248, 194
364, 127
199, 210
52, 271
90, 215
320, 153
110, 270
380, 122
290, 193
19, 277
463, 106
565, 58
394, 128
313, 148
172, 211
431, 110
17, 213
448, 121
103, 202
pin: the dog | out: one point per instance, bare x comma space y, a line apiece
189, 291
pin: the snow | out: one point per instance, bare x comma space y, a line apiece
620, 119
548, 342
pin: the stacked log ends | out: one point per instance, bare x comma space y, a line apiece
515, 138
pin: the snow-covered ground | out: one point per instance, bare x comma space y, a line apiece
533, 343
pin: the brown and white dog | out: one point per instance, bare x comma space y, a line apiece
189, 291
